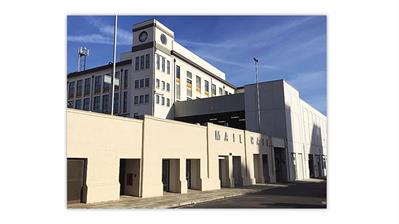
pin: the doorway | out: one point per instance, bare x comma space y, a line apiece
237, 171
129, 177
171, 175
224, 171
265, 167
280, 163
311, 167
76, 180
193, 174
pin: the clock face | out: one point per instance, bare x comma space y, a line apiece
143, 36
163, 39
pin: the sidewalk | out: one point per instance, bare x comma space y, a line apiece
172, 200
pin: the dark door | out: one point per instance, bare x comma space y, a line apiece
122, 173
279, 158
311, 167
76, 177
165, 174
188, 173
265, 168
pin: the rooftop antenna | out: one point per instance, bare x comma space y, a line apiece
83, 52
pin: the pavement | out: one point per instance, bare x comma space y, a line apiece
175, 200
302, 194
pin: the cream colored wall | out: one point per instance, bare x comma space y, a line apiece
103, 140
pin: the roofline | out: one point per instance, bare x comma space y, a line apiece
99, 68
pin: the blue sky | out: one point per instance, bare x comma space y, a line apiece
288, 47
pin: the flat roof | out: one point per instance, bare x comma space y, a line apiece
99, 68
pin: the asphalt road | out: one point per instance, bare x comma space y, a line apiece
296, 195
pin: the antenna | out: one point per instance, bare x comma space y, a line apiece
83, 52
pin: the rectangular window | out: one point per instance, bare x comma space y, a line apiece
220, 91
141, 99
137, 64
157, 99
157, 84
78, 104
106, 86
136, 99
168, 87
168, 67
177, 82
206, 88
158, 61
147, 82
178, 91
163, 85
87, 86
136, 84
117, 76
167, 102
142, 62
106, 108
141, 83
146, 99
86, 104
163, 64
213, 90
124, 102
147, 61
96, 104
79, 88
177, 72
97, 84
116, 103
126, 79
198, 84
163, 101
189, 84
71, 90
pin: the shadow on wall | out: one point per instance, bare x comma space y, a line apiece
291, 167
316, 164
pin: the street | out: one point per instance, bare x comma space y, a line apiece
309, 194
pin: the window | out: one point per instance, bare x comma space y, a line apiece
86, 104
177, 82
141, 83
158, 61
168, 87
157, 84
167, 102
189, 84
146, 99
124, 102
157, 99
136, 67
70, 104
168, 67
78, 104
136, 99
213, 90
220, 91
147, 82
147, 61
142, 62
126, 79
96, 104
106, 86
163, 101
79, 88
206, 88
106, 104
116, 103
87, 87
117, 76
163, 64
163, 85
141, 99
71, 90
198, 84
97, 84
226, 93
136, 84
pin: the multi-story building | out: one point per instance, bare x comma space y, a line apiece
283, 139
156, 73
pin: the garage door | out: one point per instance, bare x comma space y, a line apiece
76, 177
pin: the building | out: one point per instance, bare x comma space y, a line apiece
194, 129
